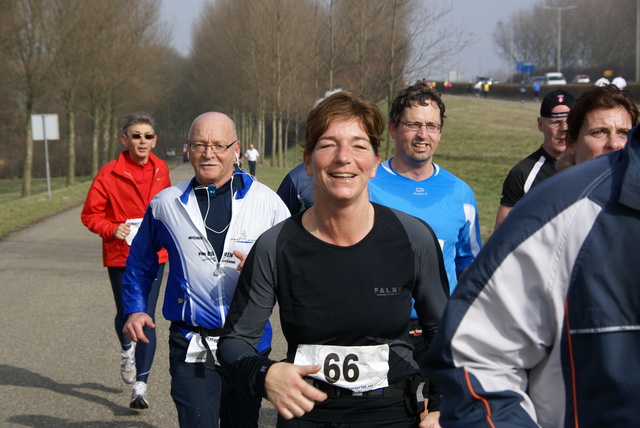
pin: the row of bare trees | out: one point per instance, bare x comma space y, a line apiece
595, 36
269, 61
82, 58
264, 62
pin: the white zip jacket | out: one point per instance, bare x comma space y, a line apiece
199, 287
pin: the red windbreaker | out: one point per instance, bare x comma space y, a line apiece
113, 199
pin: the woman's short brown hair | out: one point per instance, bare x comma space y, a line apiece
344, 105
596, 98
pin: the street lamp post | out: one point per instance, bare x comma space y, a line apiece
480, 39
559, 47
511, 66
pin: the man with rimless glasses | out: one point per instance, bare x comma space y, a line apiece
411, 182
208, 225
541, 164
115, 205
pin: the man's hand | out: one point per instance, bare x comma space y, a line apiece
288, 391
242, 256
432, 420
133, 328
122, 231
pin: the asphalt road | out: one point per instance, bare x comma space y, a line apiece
59, 355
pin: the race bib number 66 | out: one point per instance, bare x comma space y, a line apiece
358, 368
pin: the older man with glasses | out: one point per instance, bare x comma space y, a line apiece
208, 225
115, 205
413, 183
541, 164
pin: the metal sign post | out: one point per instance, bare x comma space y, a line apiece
45, 127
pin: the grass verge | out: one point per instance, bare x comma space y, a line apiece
21, 212
17, 212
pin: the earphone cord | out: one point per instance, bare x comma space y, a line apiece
217, 260
205, 220
201, 187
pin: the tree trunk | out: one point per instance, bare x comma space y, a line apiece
262, 139
71, 148
28, 159
106, 141
392, 64
280, 144
112, 135
95, 138
274, 130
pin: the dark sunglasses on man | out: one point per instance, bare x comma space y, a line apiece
145, 136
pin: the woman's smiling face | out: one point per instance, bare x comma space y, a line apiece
342, 162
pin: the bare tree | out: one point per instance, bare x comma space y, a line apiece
284, 59
358, 62
394, 56
527, 37
118, 67
98, 60
11, 120
73, 21
592, 37
412, 49
318, 19
225, 68
252, 65
264, 62
27, 49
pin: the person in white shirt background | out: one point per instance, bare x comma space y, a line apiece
252, 156
620, 82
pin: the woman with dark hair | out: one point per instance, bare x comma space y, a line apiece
597, 124
343, 273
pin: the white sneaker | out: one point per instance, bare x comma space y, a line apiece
139, 396
128, 365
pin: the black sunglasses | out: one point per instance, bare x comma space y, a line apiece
145, 136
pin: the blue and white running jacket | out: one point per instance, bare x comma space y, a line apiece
195, 293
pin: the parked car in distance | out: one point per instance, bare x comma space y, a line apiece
580, 78
554, 78
485, 79
539, 79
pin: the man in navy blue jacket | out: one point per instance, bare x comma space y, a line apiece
544, 327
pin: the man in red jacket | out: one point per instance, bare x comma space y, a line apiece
114, 208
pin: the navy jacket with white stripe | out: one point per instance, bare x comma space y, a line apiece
544, 327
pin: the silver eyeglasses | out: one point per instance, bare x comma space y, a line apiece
215, 148
432, 128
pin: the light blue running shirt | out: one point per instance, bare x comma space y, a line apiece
445, 202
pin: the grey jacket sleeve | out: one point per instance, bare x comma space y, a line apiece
250, 310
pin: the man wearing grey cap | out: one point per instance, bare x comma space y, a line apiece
540, 164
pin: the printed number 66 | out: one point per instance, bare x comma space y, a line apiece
349, 368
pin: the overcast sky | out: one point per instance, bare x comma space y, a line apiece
477, 17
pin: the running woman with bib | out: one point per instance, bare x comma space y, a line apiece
343, 273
